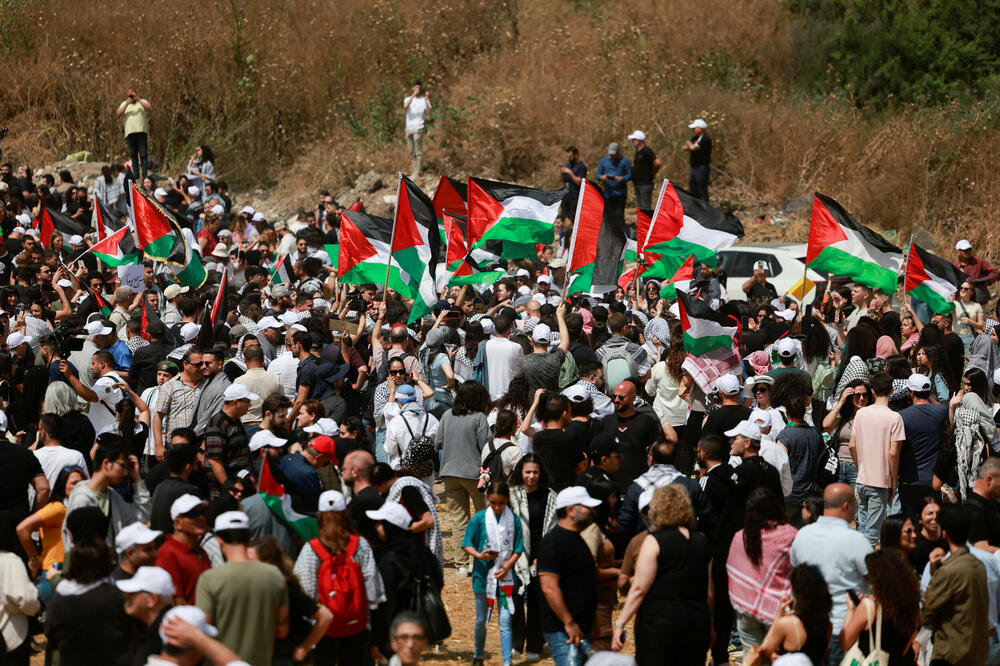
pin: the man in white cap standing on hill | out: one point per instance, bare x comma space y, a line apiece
644, 168
700, 147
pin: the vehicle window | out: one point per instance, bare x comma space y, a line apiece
740, 264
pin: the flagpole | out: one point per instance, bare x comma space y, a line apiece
906, 269
392, 240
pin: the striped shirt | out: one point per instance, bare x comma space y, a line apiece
177, 400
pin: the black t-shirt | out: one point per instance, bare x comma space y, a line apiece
724, 418
537, 502
368, 499
167, 491
642, 166
760, 294
560, 451
564, 553
985, 525
301, 608
635, 433
702, 156
749, 475
18, 466
954, 349
413, 502
583, 432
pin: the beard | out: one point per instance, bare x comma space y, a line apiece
582, 521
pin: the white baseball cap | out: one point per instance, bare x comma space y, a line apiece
748, 429
247, 210
324, 426
786, 347
258, 217
332, 500
268, 322
263, 438
232, 520
148, 579
522, 272
758, 379
918, 382
760, 418
392, 512
524, 290
575, 495
760, 265
34, 233
787, 315
194, 190
185, 503
172, 290
159, 192
300, 327
23, 219
96, 327
576, 393
489, 328
638, 135
190, 331
16, 339
699, 123
543, 277
238, 392
646, 497
134, 534
963, 244
76, 239
192, 615
541, 334
728, 384
289, 318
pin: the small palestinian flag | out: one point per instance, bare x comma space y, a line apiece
597, 246
519, 216
52, 221
158, 233
109, 250
701, 333
283, 272
107, 222
364, 248
932, 279
97, 302
478, 267
415, 248
213, 313
839, 244
683, 226
450, 195
147, 317
681, 279
279, 502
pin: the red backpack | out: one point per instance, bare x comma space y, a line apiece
340, 587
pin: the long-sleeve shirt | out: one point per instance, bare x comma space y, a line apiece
979, 269
956, 606
610, 168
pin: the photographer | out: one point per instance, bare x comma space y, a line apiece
136, 111
417, 105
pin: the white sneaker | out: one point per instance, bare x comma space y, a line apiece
463, 572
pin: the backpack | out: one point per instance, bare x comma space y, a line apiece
569, 373
340, 587
618, 363
421, 454
492, 467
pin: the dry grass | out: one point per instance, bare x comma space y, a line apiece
311, 90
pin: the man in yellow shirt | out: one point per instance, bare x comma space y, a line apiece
136, 111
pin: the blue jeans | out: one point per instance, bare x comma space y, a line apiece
564, 654
482, 610
380, 454
835, 655
848, 473
873, 505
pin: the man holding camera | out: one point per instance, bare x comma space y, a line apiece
136, 111
417, 105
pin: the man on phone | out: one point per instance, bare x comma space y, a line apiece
136, 111
417, 105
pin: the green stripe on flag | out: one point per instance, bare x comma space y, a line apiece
304, 526
582, 280
935, 301
334, 251
161, 247
193, 274
836, 261
485, 277
699, 346
676, 251
525, 230
365, 273
114, 262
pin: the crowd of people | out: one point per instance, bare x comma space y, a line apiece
275, 492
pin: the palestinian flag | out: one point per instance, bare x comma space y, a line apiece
97, 302
280, 504
358, 205
450, 195
932, 279
333, 251
702, 334
839, 244
109, 250
106, 222
158, 233
415, 248
681, 279
519, 216
212, 314
364, 248
147, 317
597, 246
464, 267
683, 226
283, 273
52, 221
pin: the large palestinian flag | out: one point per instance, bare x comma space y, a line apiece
416, 248
109, 250
684, 225
519, 216
51, 221
479, 266
932, 279
279, 502
449, 196
839, 244
597, 246
123, 250
364, 248
680, 280
701, 333
158, 233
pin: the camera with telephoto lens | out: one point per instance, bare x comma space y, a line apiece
68, 340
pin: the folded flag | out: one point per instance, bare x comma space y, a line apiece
597, 247
519, 216
702, 333
932, 279
682, 226
279, 502
450, 195
680, 280
50, 221
159, 235
106, 222
463, 267
416, 248
283, 272
839, 244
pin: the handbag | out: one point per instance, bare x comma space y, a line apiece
425, 601
876, 655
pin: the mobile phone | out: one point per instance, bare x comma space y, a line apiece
854, 597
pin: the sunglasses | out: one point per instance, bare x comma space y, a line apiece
193, 513
616, 397
761, 389
861, 395
397, 372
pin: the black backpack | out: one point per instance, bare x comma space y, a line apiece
492, 467
421, 455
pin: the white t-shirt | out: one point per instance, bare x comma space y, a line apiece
102, 412
501, 359
415, 112
54, 458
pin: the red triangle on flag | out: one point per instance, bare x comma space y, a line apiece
354, 247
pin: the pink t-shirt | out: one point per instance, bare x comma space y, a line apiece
875, 427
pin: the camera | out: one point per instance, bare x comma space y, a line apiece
68, 340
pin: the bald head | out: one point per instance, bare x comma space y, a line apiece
358, 466
838, 501
624, 398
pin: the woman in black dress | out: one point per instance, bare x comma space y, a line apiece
670, 591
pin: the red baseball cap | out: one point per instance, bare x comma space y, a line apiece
325, 445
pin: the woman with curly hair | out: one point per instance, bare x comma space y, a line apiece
931, 361
670, 592
803, 621
894, 602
